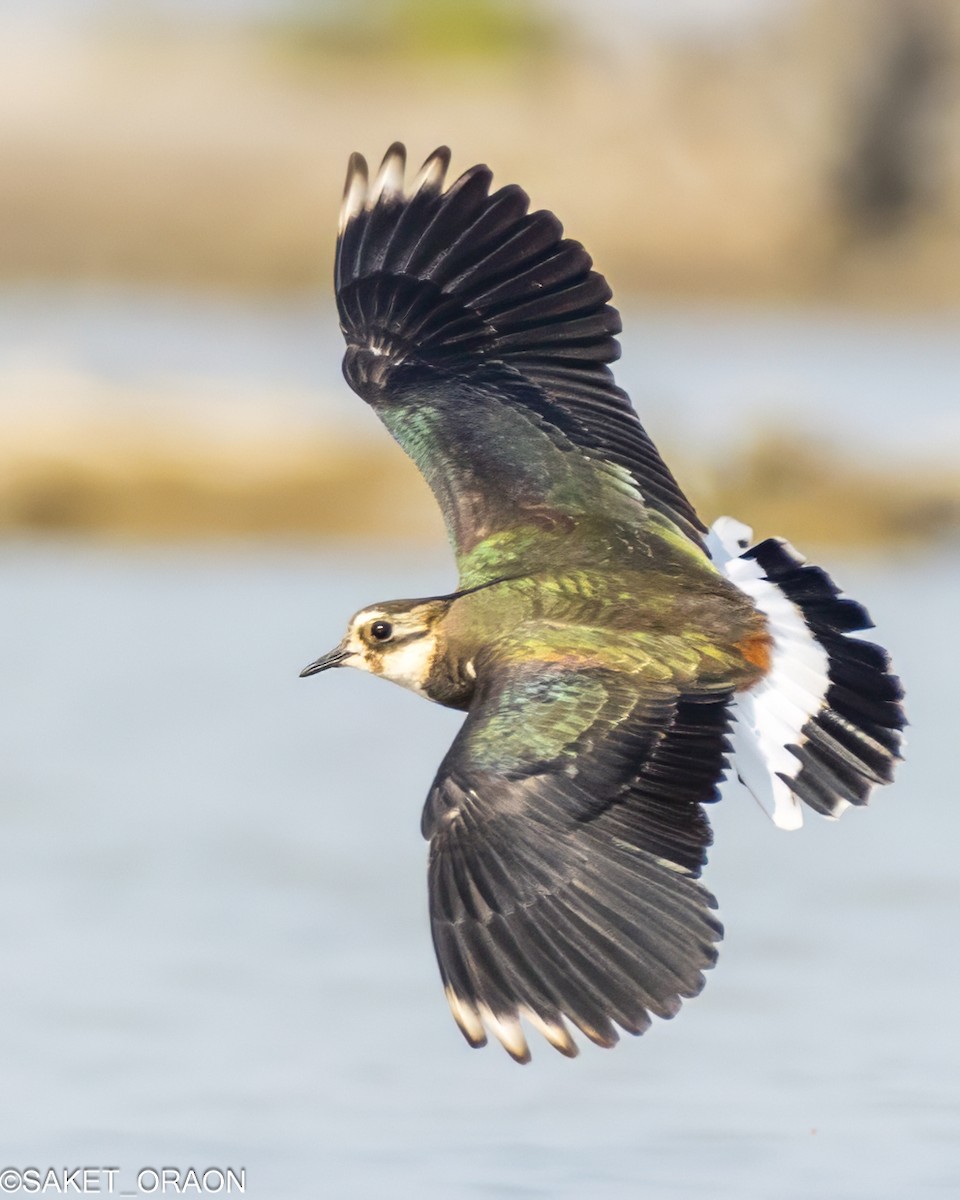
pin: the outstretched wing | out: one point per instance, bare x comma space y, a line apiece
481, 337
566, 836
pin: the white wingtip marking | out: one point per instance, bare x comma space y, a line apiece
467, 1017
389, 180
556, 1033
360, 194
431, 175
506, 1028
507, 1031
354, 191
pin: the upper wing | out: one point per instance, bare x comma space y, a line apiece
566, 834
481, 337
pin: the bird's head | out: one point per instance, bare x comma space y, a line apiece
397, 639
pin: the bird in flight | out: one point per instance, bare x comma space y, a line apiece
613, 658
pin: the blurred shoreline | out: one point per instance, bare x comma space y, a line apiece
164, 468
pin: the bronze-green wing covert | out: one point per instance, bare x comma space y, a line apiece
482, 337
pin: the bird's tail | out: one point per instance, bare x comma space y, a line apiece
825, 724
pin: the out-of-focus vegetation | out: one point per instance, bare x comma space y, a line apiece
812, 155
427, 32
811, 493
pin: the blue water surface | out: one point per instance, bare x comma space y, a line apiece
213, 936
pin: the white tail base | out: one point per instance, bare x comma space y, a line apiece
771, 716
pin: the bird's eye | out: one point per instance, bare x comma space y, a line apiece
381, 631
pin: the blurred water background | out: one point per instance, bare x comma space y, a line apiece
213, 936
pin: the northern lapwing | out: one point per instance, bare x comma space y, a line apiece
612, 656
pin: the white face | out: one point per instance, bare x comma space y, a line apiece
399, 647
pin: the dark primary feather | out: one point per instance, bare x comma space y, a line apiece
566, 834
444, 285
